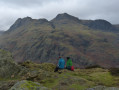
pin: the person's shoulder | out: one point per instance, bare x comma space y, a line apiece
62, 59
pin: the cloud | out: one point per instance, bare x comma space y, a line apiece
10, 10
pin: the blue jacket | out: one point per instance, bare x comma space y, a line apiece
61, 63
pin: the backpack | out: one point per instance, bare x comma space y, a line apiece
72, 68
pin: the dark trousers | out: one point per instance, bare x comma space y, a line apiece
57, 68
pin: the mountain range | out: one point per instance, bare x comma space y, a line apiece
87, 42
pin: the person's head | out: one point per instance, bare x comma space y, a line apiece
60, 57
68, 58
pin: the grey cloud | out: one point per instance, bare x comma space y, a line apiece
27, 3
10, 10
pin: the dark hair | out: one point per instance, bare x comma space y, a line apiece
68, 58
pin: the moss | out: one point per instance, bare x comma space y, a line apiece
30, 85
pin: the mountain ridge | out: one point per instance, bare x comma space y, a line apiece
98, 24
41, 40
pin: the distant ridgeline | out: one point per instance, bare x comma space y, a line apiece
1, 32
87, 42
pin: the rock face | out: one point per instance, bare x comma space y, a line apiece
28, 85
6, 85
8, 68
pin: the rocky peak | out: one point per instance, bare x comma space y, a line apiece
99, 24
19, 22
65, 16
23, 20
101, 21
103, 24
27, 18
43, 20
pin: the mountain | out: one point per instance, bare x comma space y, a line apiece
87, 42
1, 32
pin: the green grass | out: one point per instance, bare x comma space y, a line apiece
77, 87
50, 83
103, 78
81, 79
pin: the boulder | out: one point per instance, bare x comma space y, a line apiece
8, 68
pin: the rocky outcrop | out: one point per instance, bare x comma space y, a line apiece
8, 68
28, 85
6, 85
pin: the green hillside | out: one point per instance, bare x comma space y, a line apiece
43, 41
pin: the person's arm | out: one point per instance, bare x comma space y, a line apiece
59, 62
70, 63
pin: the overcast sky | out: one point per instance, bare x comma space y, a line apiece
11, 10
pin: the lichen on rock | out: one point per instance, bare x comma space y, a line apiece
28, 85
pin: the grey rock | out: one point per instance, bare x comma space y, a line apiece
103, 88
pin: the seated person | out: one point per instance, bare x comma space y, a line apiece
61, 64
69, 63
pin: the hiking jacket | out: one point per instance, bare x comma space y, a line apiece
61, 63
69, 63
